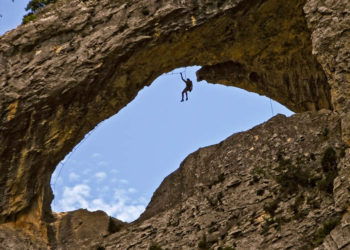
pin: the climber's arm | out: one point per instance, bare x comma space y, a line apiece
182, 78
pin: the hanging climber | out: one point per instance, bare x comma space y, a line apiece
187, 88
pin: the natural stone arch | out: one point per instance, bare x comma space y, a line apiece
77, 65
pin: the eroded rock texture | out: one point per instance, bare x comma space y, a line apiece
330, 21
82, 61
262, 189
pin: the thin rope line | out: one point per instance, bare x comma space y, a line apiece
61, 164
174, 73
271, 107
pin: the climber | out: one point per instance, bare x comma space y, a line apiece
188, 87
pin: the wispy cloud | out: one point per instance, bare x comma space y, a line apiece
87, 171
96, 155
124, 181
102, 163
121, 206
114, 171
100, 175
73, 177
74, 197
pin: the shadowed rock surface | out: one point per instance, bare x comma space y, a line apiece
80, 62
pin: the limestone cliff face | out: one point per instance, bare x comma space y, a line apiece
262, 189
330, 22
80, 62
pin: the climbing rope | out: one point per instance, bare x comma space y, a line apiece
62, 163
271, 107
177, 73
173, 73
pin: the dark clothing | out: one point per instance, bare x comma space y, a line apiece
188, 87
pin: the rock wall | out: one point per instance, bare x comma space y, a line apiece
261, 189
330, 22
80, 62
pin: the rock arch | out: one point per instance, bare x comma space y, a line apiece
80, 62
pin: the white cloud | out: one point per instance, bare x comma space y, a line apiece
132, 190
121, 210
95, 155
87, 171
114, 171
131, 213
74, 198
124, 181
102, 164
121, 207
85, 181
140, 200
73, 177
100, 175
103, 189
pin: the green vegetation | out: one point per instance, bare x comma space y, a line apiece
255, 179
314, 204
226, 248
260, 192
326, 184
203, 244
329, 160
329, 167
342, 152
291, 177
113, 227
145, 11
155, 246
296, 207
221, 178
220, 3
258, 171
324, 230
28, 18
325, 133
272, 206
33, 6
266, 226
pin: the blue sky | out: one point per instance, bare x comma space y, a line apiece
119, 165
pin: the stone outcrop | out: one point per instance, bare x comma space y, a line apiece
71, 230
330, 22
75, 230
281, 185
260, 189
81, 61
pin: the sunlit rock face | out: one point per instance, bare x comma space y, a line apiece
80, 62
261, 189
